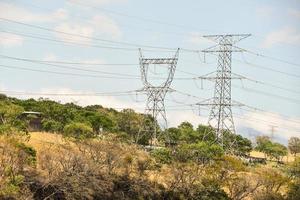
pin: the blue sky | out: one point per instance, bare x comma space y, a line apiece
274, 26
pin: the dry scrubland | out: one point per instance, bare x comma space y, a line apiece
109, 169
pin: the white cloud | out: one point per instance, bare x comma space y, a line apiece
61, 14
10, 40
294, 13
98, 2
99, 25
17, 13
106, 26
265, 11
262, 121
198, 39
288, 35
76, 29
53, 57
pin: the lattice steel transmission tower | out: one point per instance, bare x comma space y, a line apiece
155, 106
220, 117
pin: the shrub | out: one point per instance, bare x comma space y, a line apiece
201, 152
78, 130
51, 125
163, 156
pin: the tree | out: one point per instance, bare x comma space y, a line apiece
276, 150
261, 143
294, 145
206, 133
188, 134
51, 125
201, 152
9, 118
172, 135
130, 122
242, 146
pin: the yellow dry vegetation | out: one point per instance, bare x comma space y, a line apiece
286, 159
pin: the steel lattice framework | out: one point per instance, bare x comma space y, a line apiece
155, 106
220, 117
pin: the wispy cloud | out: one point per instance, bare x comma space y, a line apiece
10, 40
106, 26
99, 2
265, 11
99, 25
294, 13
197, 38
289, 35
76, 29
14, 12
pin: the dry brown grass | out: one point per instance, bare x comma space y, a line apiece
286, 159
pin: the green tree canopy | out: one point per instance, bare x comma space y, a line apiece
78, 130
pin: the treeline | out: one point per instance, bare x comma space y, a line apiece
84, 122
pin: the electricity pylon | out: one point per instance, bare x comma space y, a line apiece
220, 117
155, 106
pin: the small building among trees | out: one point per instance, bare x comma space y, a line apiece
34, 120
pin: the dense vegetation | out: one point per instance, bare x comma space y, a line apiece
101, 156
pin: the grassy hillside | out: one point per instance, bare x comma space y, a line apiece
49, 165
99, 153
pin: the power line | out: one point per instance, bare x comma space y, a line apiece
132, 16
272, 58
63, 73
87, 20
120, 93
67, 67
253, 109
118, 75
69, 42
126, 93
268, 94
91, 38
267, 68
272, 85
240, 116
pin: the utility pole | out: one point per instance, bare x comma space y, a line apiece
155, 106
220, 117
272, 131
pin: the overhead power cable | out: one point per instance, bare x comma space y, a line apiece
267, 68
69, 67
120, 93
272, 58
93, 38
268, 94
52, 63
68, 42
63, 73
113, 75
132, 16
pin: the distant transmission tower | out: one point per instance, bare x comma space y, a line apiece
220, 117
155, 106
272, 131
